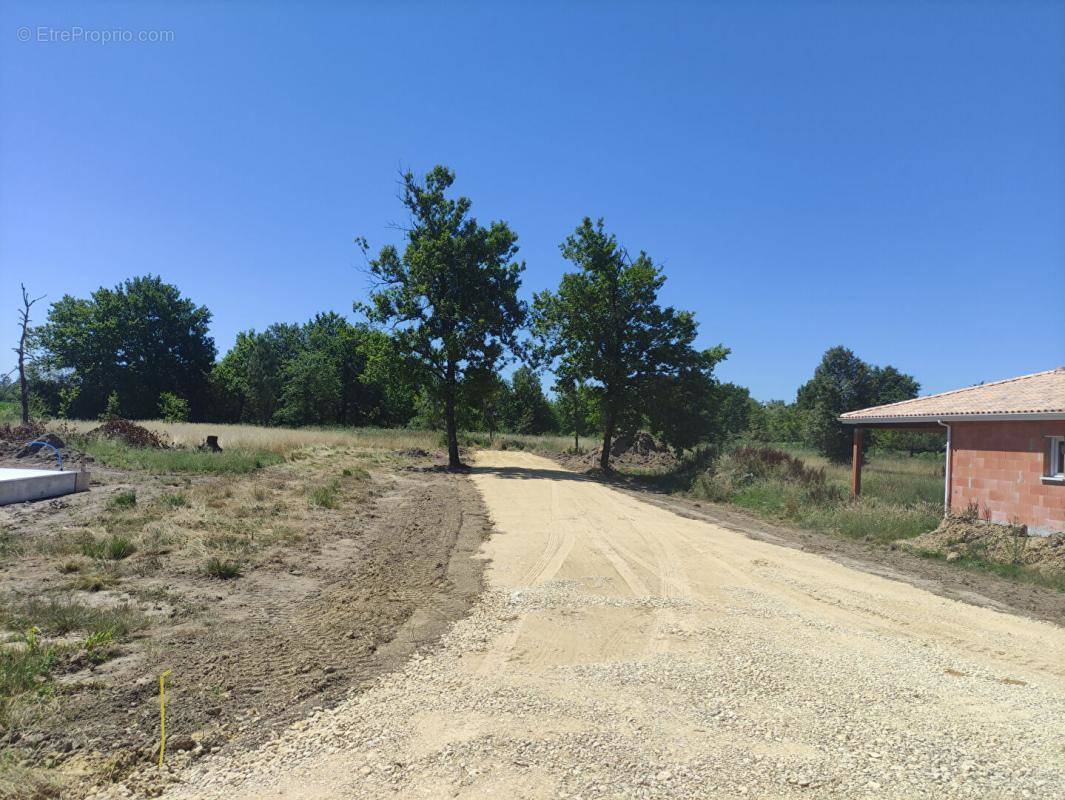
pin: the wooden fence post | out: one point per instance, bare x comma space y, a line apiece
856, 464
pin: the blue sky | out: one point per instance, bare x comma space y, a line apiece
886, 176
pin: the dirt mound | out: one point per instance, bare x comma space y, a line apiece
122, 430
638, 450
957, 538
20, 434
23, 446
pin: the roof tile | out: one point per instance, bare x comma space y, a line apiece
1039, 393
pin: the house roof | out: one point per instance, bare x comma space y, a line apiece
1037, 396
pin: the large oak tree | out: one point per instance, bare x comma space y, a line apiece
451, 295
605, 325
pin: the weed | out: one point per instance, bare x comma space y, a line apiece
225, 570
231, 462
1016, 572
114, 547
57, 616
124, 499
25, 669
99, 645
176, 500
69, 567
228, 542
100, 578
326, 496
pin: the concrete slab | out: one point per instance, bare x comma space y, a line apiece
23, 485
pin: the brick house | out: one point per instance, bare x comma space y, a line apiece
1005, 446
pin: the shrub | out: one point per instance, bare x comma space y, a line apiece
122, 500
176, 500
223, 569
173, 408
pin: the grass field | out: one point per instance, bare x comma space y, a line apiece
902, 496
281, 441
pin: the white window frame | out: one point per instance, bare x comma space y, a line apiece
1056, 453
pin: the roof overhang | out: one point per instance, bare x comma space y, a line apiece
926, 421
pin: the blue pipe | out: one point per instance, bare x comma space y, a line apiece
54, 449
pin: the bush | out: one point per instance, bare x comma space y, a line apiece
223, 569
173, 408
124, 499
176, 500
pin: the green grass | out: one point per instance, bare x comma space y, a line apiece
223, 569
230, 462
57, 616
327, 496
176, 500
902, 497
114, 548
1014, 572
126, 499
25, 673
26, 666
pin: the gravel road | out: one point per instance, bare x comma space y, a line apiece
621, 650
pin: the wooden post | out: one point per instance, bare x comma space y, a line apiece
856, 464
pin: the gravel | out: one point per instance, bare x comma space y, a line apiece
746, 670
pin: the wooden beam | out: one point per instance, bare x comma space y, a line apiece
856, 464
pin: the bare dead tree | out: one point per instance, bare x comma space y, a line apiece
24, 321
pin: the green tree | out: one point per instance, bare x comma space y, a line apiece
451, 296
173, 408
527, 408
843, 382
140, 339
574, 407
605, 325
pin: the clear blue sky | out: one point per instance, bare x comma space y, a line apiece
886, 176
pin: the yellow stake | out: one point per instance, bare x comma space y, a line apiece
162, 716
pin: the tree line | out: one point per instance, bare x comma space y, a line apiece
442, 319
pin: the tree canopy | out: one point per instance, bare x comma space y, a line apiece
138, 340
451, 296
843, 382
604, 325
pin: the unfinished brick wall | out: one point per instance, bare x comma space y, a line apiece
999, 466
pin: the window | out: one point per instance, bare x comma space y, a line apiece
1056, 464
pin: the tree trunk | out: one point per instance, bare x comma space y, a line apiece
576, 441
453, 461
23, 388
608, 435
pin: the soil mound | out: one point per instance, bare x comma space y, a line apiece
20, 434
24, 446
122, 430
641, 450
958, 537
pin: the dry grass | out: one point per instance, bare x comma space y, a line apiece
279, 440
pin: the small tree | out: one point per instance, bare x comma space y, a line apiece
24, 324
843, 382
173, 408
451, 296
605, 325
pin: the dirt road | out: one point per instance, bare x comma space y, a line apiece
624, 651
